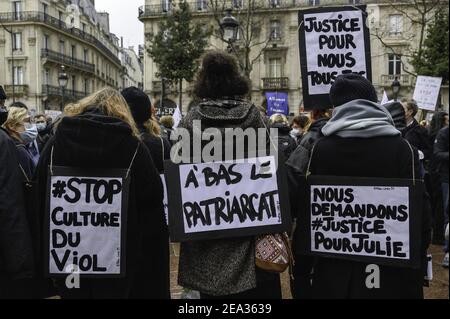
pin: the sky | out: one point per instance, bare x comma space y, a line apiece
123, 20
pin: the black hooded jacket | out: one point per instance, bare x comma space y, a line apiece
286, 144
93, 140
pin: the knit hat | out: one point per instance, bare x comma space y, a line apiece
349, 87
139, 104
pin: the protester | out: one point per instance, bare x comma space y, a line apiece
441, 149
19, 127
434, 186
43, 130
360, 140
296, 168
102, 134
286, 144
140, 106
416, 134
224, 268
16, 262
167, 123
299, 126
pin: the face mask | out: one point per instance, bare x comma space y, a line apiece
41, 127
295, 132
30, 134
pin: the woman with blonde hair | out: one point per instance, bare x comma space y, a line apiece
100, 133
18, 125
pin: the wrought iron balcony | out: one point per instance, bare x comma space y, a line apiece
404, 79
275, 83
41, 17
69, 94
67, 60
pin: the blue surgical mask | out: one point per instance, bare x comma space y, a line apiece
41, 127
30, 134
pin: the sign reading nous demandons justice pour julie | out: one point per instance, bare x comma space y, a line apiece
226, 199
333, 41
367, 220
86, 220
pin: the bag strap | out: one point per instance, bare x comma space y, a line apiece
24, 173
162, 147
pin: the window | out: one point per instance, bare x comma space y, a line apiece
238, 3
275, 30
85, 55
86, 86
47, 77
354, 1
275, 3
83, 27
46, 42
166, 5
201, 5
275, 68
17, 9
62, 47
74, 52
314, 2
395, 64
18, 75
17, 38
395, 24
74, 83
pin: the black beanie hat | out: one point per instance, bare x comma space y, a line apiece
349, 87
139, 104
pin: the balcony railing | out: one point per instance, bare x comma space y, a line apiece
165, 7
275, 83
67, 60
404, 79
19, 89
37, 16
69, 94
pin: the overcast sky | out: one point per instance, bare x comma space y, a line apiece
123, 19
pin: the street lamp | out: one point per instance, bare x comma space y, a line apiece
62, 80
396, 88
230, 28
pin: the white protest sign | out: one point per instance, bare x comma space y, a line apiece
360, 220
227, 195
86, 223
426, 93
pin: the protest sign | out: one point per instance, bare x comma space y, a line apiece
426, 93
226, 199
86, 222
277, 103
364, 219
333, 41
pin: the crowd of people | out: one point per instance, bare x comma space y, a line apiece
355, 137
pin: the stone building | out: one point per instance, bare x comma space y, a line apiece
37, 37
278, 66
133, 70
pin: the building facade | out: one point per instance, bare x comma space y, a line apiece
133, 69
37, 37
277, 66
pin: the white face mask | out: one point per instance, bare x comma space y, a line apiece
30, 134
41, 126
296, 132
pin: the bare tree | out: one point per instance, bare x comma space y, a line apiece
418, 14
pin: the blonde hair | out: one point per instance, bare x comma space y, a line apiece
278, 118
152, 126
110, 102
16, 117
167, 121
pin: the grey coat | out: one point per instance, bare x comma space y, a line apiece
225, 266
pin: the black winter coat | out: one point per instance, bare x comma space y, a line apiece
418, 137
16, 255
441, 154
381, 157
93, 140
156, 145
286, 144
